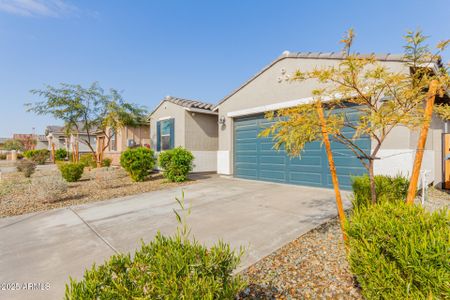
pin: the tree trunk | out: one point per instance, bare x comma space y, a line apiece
332, 166
421, 143
373, 192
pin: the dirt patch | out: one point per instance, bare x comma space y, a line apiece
18, 197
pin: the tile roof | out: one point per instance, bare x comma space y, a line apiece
341, 55
189, 103
185, 103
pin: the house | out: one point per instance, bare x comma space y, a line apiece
41, 142
243, 154
187, 123
126, 137
58, 136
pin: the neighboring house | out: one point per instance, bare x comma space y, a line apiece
243, 154
57, 135
41, 142
187, 123
126, 137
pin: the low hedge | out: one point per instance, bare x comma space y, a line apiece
71, 172
138, 162
38, 156
388, 188
176, 164
400, 251
88, 160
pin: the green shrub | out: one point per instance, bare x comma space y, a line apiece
138, 162
400, 251
176, 163
174, 267
106, 162
388, 188
38, 156
71, 172
2, 156
88, 160
27, 167
61, 154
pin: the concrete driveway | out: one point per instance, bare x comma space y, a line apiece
49, 246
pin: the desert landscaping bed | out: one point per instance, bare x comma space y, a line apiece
18, 195
313, 266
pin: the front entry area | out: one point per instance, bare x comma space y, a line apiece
255, 158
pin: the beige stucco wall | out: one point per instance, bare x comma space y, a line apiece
201, 131
168, 110
140, 134
266, 90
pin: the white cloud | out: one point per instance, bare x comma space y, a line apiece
43, 8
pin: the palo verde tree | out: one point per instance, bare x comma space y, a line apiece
384, 99
90, 111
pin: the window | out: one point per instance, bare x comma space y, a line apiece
165, 134
112, 141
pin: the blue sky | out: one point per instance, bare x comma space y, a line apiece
192, 49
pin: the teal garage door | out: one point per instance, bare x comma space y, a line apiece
255, 158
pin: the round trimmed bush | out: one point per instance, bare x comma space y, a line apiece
88, 160
106, 162
138, 162
176, 164
38, 156
61, 154
400, 251
27, 167
71, 172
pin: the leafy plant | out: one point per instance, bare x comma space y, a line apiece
13, 145
48, 188
400, 251
106, 162
38, 156
88, 160
71, 172
172, 267
384, 98
138, 162
87, 110
176, 163
388, 188
61, 154
27, 167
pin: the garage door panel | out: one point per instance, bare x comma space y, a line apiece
308, 169
246, 158
278, 176
306, 160
273, 159
246, 146
247, 134
305, 178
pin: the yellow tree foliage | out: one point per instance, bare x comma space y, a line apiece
383, 97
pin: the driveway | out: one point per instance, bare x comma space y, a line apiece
49, 246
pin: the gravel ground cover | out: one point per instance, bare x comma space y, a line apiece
314, 266
18, 197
